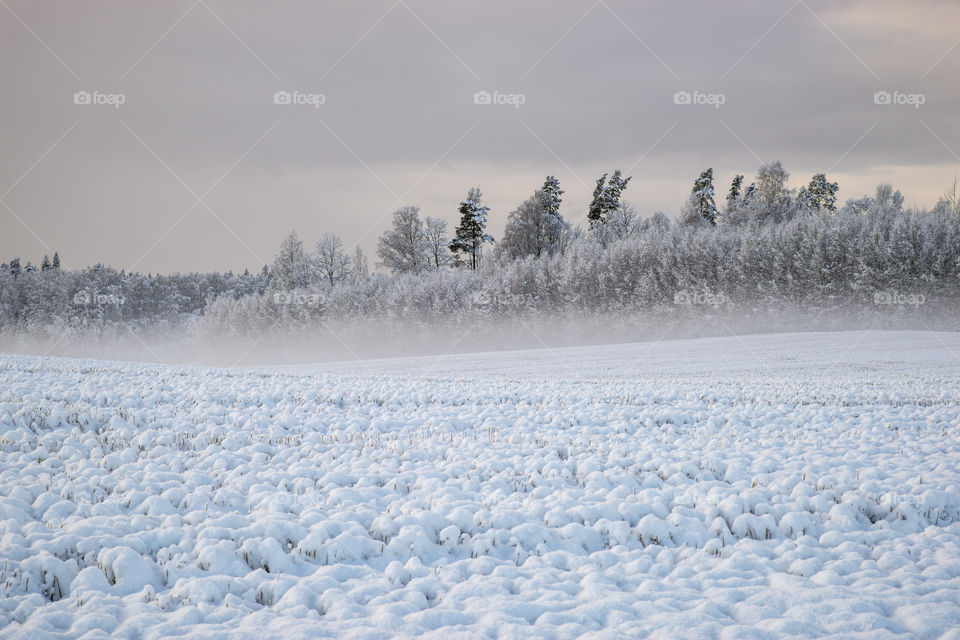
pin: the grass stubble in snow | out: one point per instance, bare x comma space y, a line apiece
769, 486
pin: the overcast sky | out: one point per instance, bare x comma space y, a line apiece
200, 169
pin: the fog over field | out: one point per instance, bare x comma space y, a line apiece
404, 318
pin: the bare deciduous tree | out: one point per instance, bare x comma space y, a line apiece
330, 260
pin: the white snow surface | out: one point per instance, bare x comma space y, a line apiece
777, 486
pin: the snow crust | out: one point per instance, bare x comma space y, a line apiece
773, 486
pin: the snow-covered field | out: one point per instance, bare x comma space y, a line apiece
767, 486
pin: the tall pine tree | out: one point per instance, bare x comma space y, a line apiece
702, 194
733, 197
470, 236
606, 197
551, 196
597, 204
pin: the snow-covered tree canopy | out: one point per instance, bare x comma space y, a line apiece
803, 250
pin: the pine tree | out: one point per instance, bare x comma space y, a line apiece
557, 229
471, 235
551, 193
56, 260
614, 189
45, 263
733, 197
819, 194
702, 194
596, 211
606, 197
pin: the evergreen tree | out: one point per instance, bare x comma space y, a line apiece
596, 211
471, 235
606, 197
703, 196
45, 264
56, 260
733, 197
550, 196
614, 189
819, 194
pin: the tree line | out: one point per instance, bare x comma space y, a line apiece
764, 244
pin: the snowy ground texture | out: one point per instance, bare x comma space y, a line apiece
756, 487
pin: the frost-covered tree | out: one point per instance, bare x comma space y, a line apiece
702, 194
885, 201
606, 197
614, 190
819, 194
888, 197
551, 195
773, 200
949, 202
291, 267
56, 260
597, 202
403, 247
532, 229
330, 259
622, 223
690, 215
358, 265
471, 235
657, 223
735, 193
438, 244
